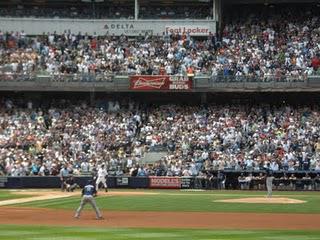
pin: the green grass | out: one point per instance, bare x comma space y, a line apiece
167, 200
7, 195
12, 232
191, 201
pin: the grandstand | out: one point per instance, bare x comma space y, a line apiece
165, 76
206, 43
128, 17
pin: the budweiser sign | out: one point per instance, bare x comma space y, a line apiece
146, 82
160, 83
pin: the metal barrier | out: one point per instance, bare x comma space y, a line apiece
260, 79
111, 82
89, 77
223, 180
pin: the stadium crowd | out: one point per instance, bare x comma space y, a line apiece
282, 41
175, 12
108, 12
40, 139
281, 45
76, 12
237, 137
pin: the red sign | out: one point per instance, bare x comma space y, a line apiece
159, 82
165, 182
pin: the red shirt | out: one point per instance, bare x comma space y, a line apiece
162, 71
315, 63
94, 44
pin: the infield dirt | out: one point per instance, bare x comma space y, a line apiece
145, 219
196, 220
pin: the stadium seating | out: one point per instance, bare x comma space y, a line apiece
260, 47
36, 136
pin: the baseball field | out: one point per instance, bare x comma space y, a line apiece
161, 214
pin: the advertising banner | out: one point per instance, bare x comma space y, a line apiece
200, 30
122, 181
159, 82
3, 181
187, 182
165, 182
34, 26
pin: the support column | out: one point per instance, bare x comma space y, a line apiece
218, 10
216, 13
214, 16
136, 9
92, 98
93, 9
203, 98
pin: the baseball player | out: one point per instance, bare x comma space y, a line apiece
64, 174
101, 177
71, 185
269, 182
88, 194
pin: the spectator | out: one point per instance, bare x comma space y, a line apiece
82, 11
256, 45
39, 140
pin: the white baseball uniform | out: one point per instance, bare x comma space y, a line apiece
102, 174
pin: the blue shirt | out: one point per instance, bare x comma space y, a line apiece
64, 172
89, 190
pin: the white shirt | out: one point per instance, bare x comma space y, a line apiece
84, 166
102, 173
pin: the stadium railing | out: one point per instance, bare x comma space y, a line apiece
229, 180
122, 80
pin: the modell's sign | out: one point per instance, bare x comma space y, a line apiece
160, 82
165, 182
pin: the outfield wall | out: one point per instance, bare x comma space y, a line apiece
230, 181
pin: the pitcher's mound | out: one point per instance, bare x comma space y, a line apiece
272, 200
